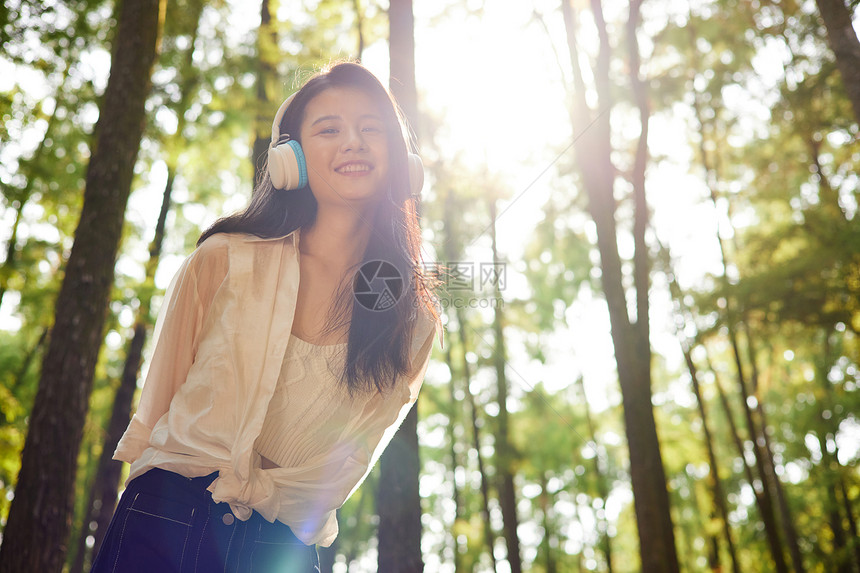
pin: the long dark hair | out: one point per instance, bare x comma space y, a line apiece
379, 340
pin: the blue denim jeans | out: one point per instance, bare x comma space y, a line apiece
167, 523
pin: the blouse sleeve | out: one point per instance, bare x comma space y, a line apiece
176, 337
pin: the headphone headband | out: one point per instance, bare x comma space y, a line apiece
276, 124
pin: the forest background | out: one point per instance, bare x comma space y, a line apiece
643, 215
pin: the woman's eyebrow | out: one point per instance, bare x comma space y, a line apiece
330, 117
325, 118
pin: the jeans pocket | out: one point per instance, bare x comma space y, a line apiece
154, 535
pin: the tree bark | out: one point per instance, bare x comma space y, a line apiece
546, 503
852, 522
602, 485
715, 482
767, 457
359, 28
832, 468
765, 490
761, 488
36, 534
630, 338
489, 534
762, 497
454, 460
452, 254
104, 492
505, 455
845, 45
398, 500
267, 43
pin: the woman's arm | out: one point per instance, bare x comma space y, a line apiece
176, 337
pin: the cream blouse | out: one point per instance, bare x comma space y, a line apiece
219, 346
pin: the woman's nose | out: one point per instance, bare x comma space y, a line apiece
354, 140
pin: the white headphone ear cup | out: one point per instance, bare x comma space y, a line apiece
287, 168
416, 174
278, 170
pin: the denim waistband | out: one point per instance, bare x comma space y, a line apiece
172, 485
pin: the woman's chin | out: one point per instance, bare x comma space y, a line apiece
350, 195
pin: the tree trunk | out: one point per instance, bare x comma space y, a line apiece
489, 534
452, 254
845, 45
784, 511
841, 558
630, 339
832, 469
399, 504
267, 52
546, 503
602, 485
767, 457
104, 492
763, 491
715, 482
359, 28
29, 357
505, 455
852, 522
36, 534
762, 497
455, 462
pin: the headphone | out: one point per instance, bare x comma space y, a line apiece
288, 168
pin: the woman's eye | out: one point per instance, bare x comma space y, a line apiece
371, 129
328, 130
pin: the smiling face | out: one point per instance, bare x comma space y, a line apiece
345, 143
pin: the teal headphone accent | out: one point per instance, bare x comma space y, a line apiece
288, 169
287, 166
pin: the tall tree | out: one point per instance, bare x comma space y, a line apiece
707, 134
35, 537
843, 40
601, 479
103, 493
452, 251
682, 318
398, 500
630, 337
267, 54
505, 455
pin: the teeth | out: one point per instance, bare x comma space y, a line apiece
352, 168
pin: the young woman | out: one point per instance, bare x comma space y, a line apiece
289, 347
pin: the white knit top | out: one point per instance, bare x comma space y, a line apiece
310, 406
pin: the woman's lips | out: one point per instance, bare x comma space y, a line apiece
354, 168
